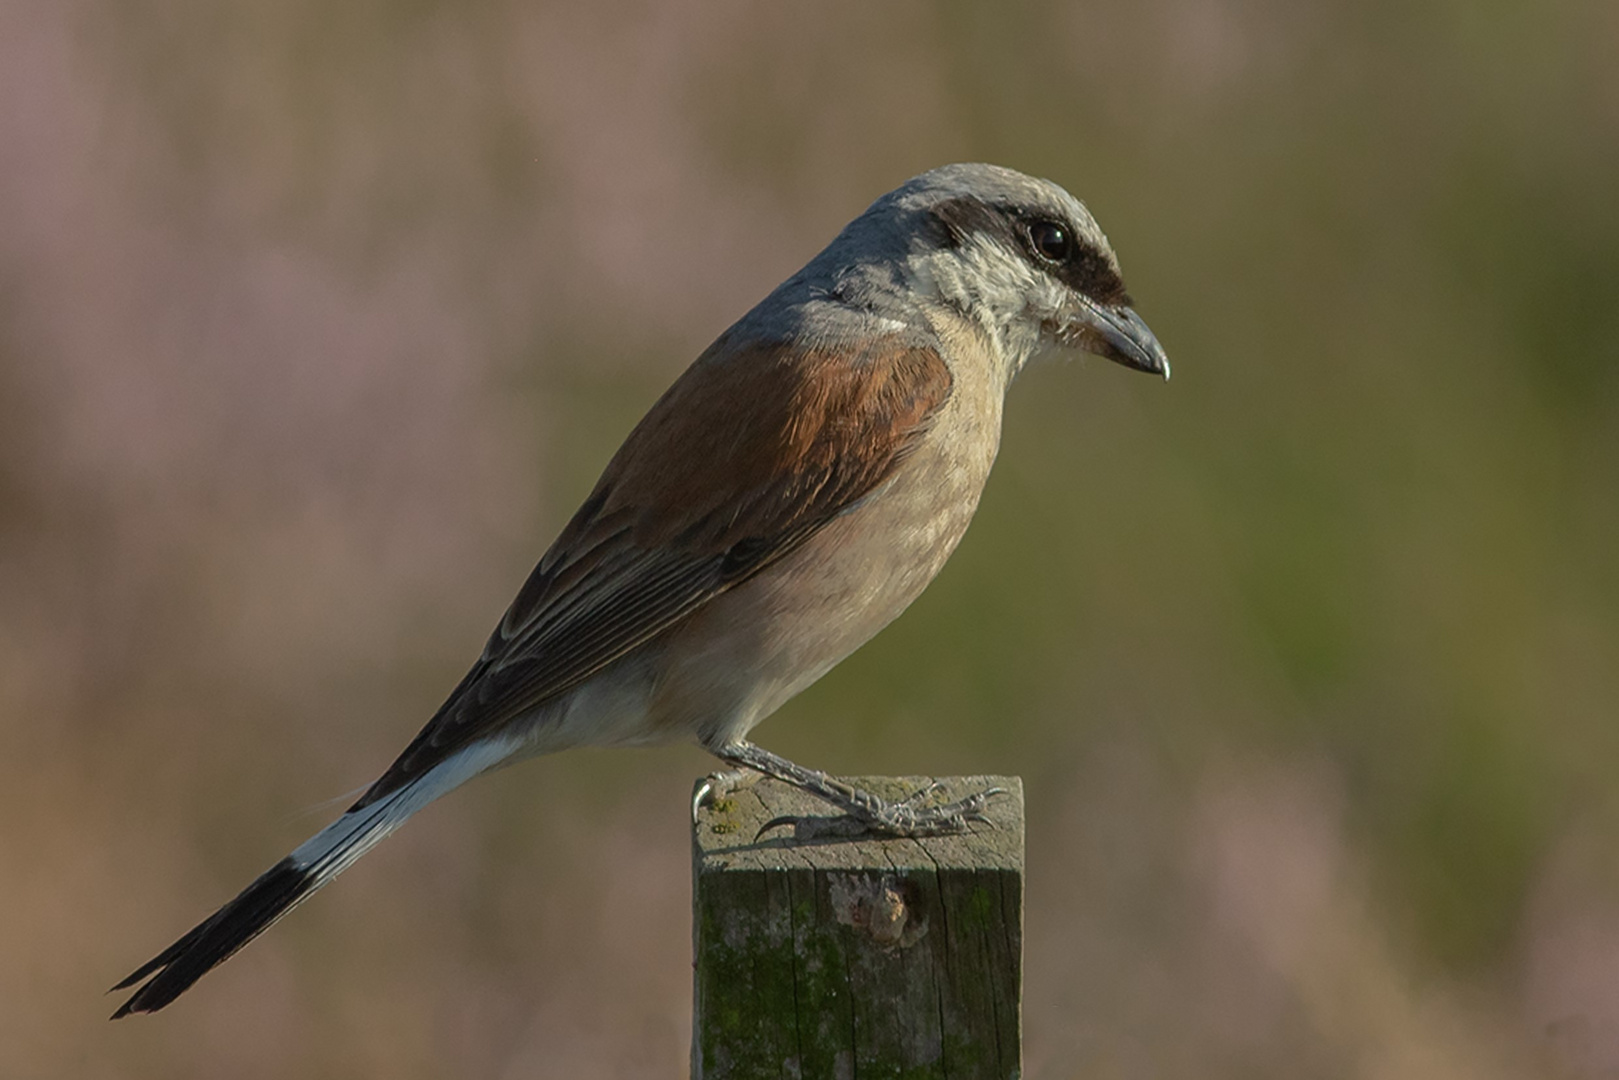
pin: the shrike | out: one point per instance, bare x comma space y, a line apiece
783, 501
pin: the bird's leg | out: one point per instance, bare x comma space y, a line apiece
902, 818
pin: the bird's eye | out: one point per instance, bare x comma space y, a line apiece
1051, 241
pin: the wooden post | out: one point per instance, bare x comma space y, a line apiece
823, 957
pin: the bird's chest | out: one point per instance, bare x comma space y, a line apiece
865, 568
758, 645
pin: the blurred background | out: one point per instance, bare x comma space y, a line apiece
317, 319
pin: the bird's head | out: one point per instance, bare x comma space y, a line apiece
1017, 255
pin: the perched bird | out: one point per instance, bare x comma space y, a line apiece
793, 491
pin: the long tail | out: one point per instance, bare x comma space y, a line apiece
293, 880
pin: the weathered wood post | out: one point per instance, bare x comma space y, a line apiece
823, 957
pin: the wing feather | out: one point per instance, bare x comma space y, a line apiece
745, 457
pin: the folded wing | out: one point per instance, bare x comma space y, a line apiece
744, 458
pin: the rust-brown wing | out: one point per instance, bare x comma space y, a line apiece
745, 457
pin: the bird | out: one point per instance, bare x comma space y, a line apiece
786, 498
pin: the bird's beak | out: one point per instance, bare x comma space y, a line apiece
1118, 334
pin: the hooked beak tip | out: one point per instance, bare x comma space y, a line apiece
1120, 335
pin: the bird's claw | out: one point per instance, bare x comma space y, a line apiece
718, 785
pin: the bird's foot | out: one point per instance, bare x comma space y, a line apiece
911, 816
868, 815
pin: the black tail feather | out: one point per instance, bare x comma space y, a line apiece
214, 940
